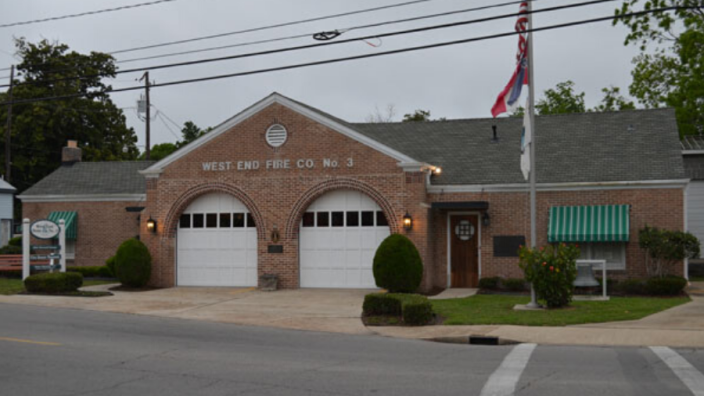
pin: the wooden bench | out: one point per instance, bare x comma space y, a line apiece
13, 262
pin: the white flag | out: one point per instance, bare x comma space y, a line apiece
526, 138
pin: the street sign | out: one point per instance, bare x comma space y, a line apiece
45, 257
46, 247
44, 229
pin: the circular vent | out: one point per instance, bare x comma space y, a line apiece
276, 135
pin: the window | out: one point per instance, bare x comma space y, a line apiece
198, 220
613, 253
70, 250
352, 219
367, 219
250, 221
381, 219
185, 221
309, 219
225, 220
211, 220
238, 220
338, 219
323, 219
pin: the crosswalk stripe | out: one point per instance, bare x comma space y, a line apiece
503, 381
690, 376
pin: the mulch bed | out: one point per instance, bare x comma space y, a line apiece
79, 293
132, 289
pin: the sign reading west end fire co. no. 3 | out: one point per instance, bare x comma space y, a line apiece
44, 229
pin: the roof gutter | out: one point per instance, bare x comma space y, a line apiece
580, 186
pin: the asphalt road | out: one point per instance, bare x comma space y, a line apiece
51, 352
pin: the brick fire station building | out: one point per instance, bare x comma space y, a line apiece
283, 188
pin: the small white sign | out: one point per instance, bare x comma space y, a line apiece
44, 229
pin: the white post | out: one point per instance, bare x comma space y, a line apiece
62, 244
25, 248
603, 278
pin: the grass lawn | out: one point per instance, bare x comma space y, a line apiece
498, 309
14, 286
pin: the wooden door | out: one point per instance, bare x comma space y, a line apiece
464, 251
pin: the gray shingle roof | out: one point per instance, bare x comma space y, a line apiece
83, 178
693, 143
590, 147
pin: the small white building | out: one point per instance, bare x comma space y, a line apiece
7, 193
693, 156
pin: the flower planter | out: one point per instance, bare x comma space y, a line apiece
268, 282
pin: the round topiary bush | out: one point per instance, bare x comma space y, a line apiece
398, 267
133, 263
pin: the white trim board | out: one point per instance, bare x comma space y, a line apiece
290, 104
83, 198
582, 186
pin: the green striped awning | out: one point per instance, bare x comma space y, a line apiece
71, 219
604, 223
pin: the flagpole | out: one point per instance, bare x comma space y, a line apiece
531, 112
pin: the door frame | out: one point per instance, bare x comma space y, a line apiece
449, 246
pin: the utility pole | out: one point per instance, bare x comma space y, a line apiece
145, 77
8, 127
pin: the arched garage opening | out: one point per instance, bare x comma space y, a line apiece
339, 234
216, 243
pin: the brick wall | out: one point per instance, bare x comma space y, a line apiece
102, 226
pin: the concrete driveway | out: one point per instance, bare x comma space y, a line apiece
304, 309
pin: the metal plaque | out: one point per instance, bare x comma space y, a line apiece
275, 248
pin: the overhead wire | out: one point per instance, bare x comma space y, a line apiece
322, 44
358, 57
56, 18
311, 34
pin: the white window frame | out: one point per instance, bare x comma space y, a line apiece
70, 253
588, 247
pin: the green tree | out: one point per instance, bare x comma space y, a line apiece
614, 101
190, 132
563, 99
41, 129
673, 73
159, 151
417, 116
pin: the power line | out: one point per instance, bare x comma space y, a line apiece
56, 18
358, 57
278, 25
323, 44
160, 116
344, 30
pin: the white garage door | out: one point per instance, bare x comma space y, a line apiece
217, 243
339, 235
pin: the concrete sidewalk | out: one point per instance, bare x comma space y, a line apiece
681, 326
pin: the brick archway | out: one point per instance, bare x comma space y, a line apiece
294, 220
171, 222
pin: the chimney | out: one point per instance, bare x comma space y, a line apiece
495, 138
71, 153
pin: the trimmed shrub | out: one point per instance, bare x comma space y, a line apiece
92, 272
11, 249
133, 263
57, 282
16, 241
414, 309
398, 267
514, 284
110, 263
632, 286
381, 304
667, 286
489, 283
552, 271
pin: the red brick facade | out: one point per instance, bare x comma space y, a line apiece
277, 198
102, 226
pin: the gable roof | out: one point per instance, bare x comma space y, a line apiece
319, 116
92, 179
693, 144
636, 145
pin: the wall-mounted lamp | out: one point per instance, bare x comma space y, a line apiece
275, 236
151, 225
437, 171
486, 220
407, 221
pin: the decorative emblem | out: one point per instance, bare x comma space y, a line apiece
276, 135
464, 230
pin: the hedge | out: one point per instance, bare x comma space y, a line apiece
414, 309
491, 283
665, 286
57, 282
397, 265
514, 284
92, 272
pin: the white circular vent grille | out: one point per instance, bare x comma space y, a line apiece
276, 135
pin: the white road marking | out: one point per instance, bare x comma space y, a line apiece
690, 376
503, 381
